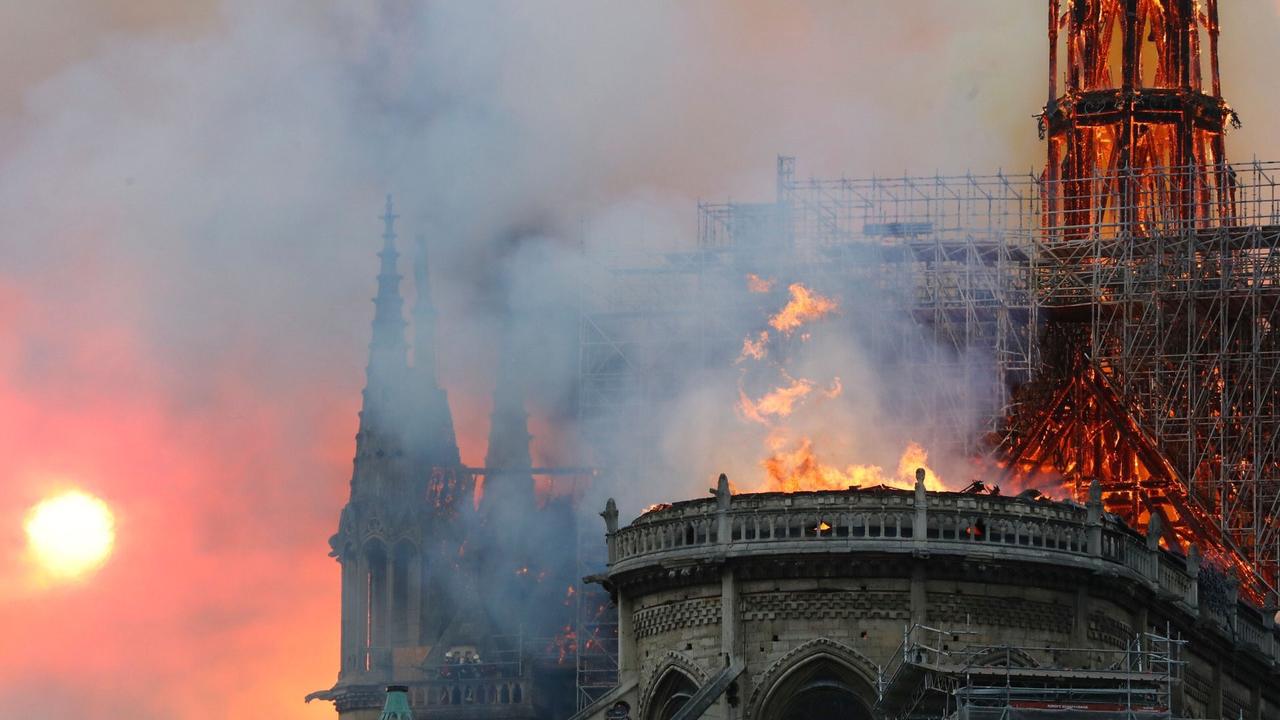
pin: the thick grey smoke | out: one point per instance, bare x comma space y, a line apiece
188, 202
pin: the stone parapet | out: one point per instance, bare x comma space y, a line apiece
918, 524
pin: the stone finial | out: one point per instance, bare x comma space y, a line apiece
920, 523
1155, 528
610, 516
1094, 505
722, 493
1193, 561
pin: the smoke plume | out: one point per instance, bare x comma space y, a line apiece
189, 198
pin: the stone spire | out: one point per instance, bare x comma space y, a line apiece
435, 442
385, 373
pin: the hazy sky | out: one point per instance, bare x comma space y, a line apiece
189, 196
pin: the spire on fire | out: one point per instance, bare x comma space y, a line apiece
431, 421
387, 367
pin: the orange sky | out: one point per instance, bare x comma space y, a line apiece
188, 216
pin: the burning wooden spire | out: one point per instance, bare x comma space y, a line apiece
1135, 139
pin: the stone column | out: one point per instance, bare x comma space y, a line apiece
1155, 527
348, 640
729, 635
416, 589
919, 597
1192, 598
627, 661
360, 615
1094, 509
1080, 623
1215, 692
388, 601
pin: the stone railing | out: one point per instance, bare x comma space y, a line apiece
459, 693
920, 522
852, 517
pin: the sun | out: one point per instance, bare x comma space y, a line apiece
70, 534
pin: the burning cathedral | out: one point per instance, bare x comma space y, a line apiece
1108, 335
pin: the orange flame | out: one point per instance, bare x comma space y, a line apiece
756, 348
800, 469
757, 284
805, 306
776, 403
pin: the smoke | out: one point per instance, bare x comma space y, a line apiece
189, 198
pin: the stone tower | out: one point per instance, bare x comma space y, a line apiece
397, 535
438, 595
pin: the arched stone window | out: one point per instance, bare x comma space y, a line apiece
375, 554
402, 587
670, 694
822, 687
820, 679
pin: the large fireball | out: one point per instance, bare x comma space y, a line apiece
70, 534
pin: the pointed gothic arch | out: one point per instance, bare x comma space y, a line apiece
672, 684
375, 592
821, 678
404, 584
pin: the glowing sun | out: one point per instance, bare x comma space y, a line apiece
70, 534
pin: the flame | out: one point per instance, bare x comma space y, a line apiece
800, 469
779, 402
655, 507
757, 348
805, 306
757, 284
564, 644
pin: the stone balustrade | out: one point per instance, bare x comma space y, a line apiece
442, 694
918, 522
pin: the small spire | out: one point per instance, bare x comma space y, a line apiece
389, 226
387, 349
397, 704
436, 443
385, 372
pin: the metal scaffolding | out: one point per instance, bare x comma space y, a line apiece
1176, 310
952, 673
1181, 317
596, 626
950, 252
